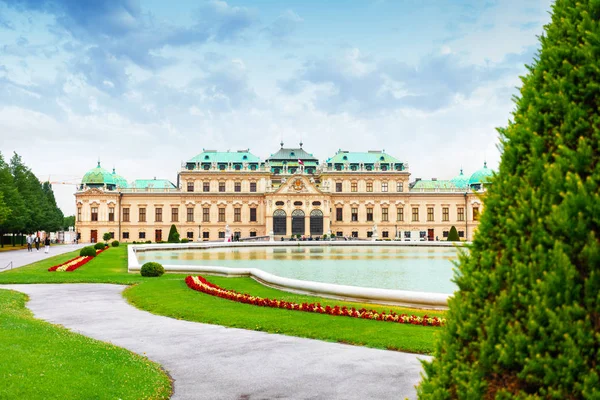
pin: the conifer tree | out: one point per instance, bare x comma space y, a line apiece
525, 322
453, 235
173, 235
15, 219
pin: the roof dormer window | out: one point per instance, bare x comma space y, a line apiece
292, 154
206, 157
345, 158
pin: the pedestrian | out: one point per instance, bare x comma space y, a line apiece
36, 241
47, 244
29, 242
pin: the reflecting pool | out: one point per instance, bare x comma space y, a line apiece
425, 269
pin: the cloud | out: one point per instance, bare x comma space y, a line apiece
284, 26
224, 22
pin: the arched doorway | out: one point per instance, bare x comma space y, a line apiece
279, 222
298, 222
316, 222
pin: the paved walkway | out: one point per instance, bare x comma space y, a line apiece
23, 257
214, 362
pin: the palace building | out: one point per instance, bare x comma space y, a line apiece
352, 194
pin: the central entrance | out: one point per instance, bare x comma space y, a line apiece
316, 222
279, 222
298, 222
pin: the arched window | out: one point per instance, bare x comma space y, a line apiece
279, 222
316, 222
298, 222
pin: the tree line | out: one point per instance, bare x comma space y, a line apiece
26, 204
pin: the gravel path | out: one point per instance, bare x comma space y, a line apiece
17, 258
214, 362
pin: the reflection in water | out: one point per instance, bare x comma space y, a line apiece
406, 268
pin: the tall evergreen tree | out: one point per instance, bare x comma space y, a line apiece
30, 190
453, 235
15, 219
55, 217
525, 322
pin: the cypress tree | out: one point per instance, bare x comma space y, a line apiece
453, 235
525, 322
173, 235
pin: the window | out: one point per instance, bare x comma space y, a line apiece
125, 235
354, 187
354, 234
126, 215
399, 186
190, 214
205, 235
385, 234
339, 212
369, 186
237, 214
206, 214
461, 234
111, 214
158, 214
112, 235
221, 235
279, 203
298, 203
94, 213
190, 235
475, 213
142, 235
430, 214
445, 214
460, 214
237, 187
253, 187
142, 214
415, 214
190, 186
354, 214
400, 214
206, 186
384, 214
78, 213
338, 186
221, 186
174, 214
369, 214
369, 234
253, 215
252, 234
445, 234
384, 186
339, 234
222, 215
316, 203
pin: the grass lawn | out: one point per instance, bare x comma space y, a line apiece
169, 296
42, 361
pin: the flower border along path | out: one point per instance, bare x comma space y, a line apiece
200, 284
74, 263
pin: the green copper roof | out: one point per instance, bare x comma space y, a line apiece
98, 176
370, 157
460, 180
291, 154
426, 184
209, 156
153, 184
481, 176
119, 180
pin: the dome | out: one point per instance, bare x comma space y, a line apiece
98, 177
460, 180
481, 176
119, 180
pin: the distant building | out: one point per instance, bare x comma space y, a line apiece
289, 193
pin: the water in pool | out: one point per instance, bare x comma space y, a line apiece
425, 269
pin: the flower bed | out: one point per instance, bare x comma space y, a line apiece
73, 263
202, 285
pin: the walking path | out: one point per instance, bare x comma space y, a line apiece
214, 362
23, 257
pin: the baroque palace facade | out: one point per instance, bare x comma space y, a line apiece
352, 194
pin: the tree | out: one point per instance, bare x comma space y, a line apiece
68, 221
453, 235
173, 235
4, 210
15, 219
107, 236
54, 217
525, 322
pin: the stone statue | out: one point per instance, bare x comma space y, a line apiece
227, 234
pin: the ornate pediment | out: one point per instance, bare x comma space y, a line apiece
93, 192
298, 184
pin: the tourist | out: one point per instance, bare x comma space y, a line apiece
36, 241
47, 244
29, 242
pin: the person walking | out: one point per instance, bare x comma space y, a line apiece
47, 244
36, 241
29, 242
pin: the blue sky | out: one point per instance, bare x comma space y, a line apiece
144, 85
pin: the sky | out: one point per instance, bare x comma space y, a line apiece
145, 85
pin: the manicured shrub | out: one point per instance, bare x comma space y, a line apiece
152, 269
99, 245
185, 240
453, 235
107, 236
88, 251
148, 241
115, 243
173, 235
525, 322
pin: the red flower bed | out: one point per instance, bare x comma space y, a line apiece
202, 285
74, 263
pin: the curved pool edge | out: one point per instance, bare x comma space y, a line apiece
422, 300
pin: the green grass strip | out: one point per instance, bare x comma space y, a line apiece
43, 361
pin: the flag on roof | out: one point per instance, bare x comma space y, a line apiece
300, 162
